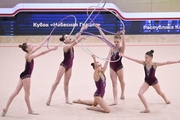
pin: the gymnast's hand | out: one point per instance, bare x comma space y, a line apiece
111, 49
97, 25
93, 56
55, 48
122, 31
121, 55
84, 27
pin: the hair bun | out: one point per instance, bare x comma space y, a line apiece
20, 46
152, 51
61, 39
92, 64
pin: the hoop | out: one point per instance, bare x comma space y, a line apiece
75, 22
110, 12
90, 52
103, 39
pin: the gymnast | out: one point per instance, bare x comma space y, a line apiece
65, 67
116, 68
150, 78
25, 76
100, 82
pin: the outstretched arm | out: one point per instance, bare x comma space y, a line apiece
40, 45
42, 53
132, 59
167, 63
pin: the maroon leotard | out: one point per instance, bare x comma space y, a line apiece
100, 85
118, 64
68, 59
28, 69
150, 77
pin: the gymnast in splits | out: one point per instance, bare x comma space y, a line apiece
100, 82
150, 78
25, 76
65, 67
116, 68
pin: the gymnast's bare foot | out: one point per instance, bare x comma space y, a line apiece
48, 102
89, 108
77, 101
168, 102
114, 103
33, 113
4, 113
145, 111
122, 97
70, 103
67, 102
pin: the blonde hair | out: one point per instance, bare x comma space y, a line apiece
117, 35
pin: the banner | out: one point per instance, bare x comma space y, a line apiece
41, 23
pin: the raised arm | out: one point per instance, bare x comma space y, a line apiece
107, 61
132, 59
123, 41
166, 63
41, 53
96, 74
40, 45
95, 62
84, 27
100, 31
